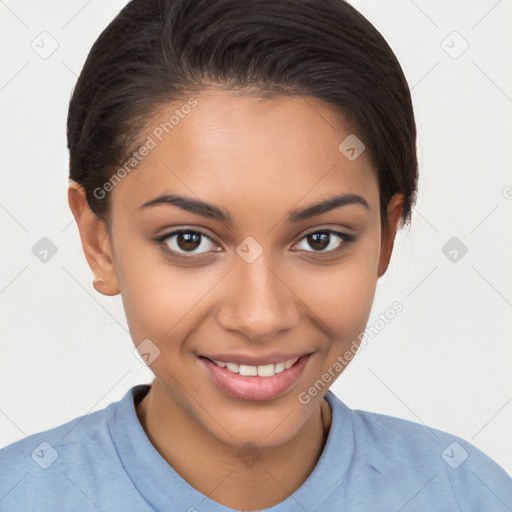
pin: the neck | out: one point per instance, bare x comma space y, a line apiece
214, 468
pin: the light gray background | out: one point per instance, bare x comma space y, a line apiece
445, 360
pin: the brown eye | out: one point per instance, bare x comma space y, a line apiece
186, 242
326, 241
318, 241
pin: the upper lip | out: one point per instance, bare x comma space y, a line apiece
252, 360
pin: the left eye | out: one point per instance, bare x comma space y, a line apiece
322, 241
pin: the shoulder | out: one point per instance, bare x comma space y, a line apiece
56, 457
42, 447
429, 459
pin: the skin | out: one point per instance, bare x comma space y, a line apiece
258, 159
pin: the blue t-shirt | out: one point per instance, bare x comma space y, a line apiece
103, 461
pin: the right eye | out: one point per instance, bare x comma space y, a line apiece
182, 243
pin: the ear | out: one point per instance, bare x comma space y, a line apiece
394, 213
95, 241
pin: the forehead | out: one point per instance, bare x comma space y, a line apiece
232, 149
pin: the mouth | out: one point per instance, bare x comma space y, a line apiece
255, 382
263, 370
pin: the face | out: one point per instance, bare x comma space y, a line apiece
250, 280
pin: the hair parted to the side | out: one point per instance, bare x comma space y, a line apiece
158, 51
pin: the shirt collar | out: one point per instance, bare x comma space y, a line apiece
162, 486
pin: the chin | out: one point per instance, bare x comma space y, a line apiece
264, 430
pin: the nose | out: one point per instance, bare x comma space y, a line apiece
258, 301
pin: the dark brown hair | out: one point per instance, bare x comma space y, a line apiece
157, 51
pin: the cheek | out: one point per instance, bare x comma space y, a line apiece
160, 298
342, 295
340, 298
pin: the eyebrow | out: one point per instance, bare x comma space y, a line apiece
214, 212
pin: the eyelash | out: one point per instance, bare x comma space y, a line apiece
160, 242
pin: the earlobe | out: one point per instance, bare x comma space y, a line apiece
95, 241
394, 213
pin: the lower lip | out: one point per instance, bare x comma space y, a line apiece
255, 388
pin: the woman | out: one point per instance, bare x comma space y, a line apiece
238, 173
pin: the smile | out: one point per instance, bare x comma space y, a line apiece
251, 382
267, 370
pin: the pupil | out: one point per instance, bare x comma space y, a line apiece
318, 240
186, 241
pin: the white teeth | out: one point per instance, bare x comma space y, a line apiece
266, 370
291, 362
248, 370
232, 367
279, 368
